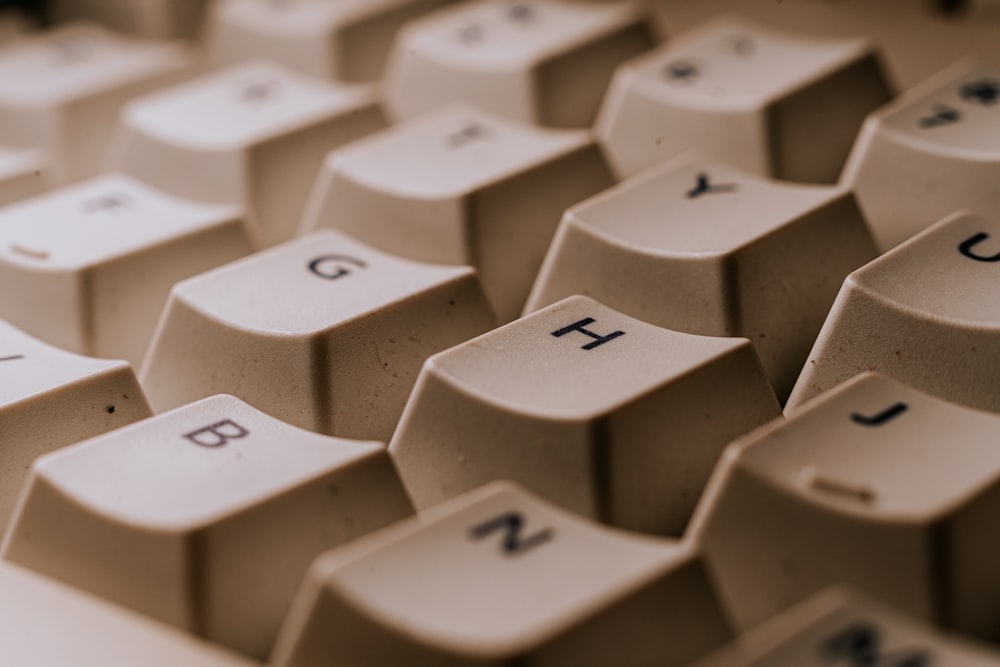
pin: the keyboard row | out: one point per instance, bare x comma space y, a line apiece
276, 541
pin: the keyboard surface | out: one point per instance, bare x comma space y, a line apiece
499, 332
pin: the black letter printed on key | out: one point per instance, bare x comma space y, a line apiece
579, 326
332, 267
966, 246
880, 418
511, 524
217, 434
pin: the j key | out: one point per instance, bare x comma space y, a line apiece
874, 484
461, 186
22, 174
50, 398
61, 92
925, 313
178, 19
933, 151
323, 332
547, 63
252, 134
45, 623
94, 262
772, 103
697, 246
841, 627
483, 580
347, 40
608, 416
209, 520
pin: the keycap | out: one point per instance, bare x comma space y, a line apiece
929, 153
252, 134
45, 623
60, 92
50, 398
923, 313
205, 517
21, 174
102, 255
606, 415
323, 332
844, 627
344, 41
769, 102
874, 484
485, 579
697, 246
460, 186
537, 62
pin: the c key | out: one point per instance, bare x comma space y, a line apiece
606, 415
875, 485
483, 580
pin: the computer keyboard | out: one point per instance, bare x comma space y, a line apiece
499, 332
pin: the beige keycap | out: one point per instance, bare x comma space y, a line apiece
205, 517
773, 103
843, 627
460, 186
497, 577
61, 92
323, 332
252, 134
45, 623
697, 246
923, 313
21, 174
50, 398
931, 152
347, 40
876, 485
606, 415
537, 62
177, 19
102, 255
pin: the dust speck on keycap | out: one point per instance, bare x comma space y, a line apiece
111, 409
